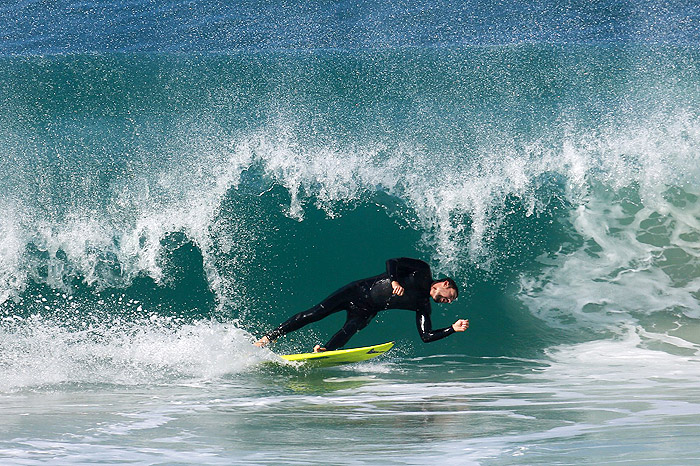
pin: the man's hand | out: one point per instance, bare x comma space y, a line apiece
264, 341
461, 325
398, 289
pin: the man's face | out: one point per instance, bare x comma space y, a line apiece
443, 294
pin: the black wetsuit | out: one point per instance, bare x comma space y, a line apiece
363, 299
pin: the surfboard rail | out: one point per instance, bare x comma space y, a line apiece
337, 357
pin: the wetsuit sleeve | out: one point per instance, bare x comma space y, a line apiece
425, 326
402, 266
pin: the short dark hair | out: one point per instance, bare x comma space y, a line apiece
452, 284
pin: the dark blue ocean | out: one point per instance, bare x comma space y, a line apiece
178, 177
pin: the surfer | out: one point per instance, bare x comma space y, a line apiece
406, 284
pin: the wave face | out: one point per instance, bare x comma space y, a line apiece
212, 170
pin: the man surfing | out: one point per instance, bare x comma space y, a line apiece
406, 284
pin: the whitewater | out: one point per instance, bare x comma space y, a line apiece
177, 178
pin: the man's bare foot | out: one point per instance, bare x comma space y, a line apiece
318, 349
264, 341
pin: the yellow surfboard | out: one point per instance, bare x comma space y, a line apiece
337, 357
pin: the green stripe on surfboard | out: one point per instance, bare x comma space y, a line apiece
345, 356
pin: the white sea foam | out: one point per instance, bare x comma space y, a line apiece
38, 352
634, 261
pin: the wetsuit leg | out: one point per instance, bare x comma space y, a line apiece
338, 301
356, 321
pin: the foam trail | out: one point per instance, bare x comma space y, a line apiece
39, 351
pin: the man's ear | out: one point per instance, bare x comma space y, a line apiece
446, 284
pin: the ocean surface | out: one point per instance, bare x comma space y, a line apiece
178, 177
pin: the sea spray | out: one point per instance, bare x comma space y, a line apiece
41, 351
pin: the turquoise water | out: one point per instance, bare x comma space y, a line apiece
179, 177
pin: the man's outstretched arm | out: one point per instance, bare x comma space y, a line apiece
425, 327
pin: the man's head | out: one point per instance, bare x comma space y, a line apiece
444, 290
